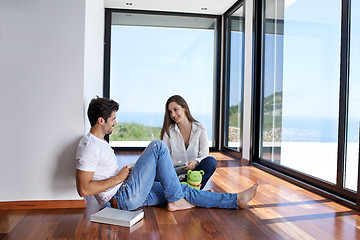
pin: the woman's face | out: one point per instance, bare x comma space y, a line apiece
176, 112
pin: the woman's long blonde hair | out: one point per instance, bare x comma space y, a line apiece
168, 121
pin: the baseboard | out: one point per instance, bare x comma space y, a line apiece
245, 162
51, 204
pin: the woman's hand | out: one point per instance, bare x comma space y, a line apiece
191, 165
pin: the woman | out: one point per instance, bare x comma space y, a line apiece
186, 139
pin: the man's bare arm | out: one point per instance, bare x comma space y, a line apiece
86, 186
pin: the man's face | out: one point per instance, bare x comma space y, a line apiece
110, 123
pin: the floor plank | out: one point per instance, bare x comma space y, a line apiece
280, 210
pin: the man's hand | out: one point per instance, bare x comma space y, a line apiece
86, 186
124, 173
191, 165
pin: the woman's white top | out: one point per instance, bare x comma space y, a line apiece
198, 148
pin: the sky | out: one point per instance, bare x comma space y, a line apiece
149, 64
307, 60
236, 67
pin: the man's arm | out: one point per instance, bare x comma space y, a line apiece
86, 186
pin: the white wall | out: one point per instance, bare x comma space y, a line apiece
247, 78
42, 97
94, 53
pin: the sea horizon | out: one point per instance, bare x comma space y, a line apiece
302, 129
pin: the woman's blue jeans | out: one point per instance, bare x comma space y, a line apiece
208, 165
153, 181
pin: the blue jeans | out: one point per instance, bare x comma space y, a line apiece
208, 165
153, 181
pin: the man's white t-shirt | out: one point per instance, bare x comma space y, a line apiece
96, 155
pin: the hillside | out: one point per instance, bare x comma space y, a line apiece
134, 132
271, 110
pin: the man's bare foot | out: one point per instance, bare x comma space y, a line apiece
245, 196
181, 204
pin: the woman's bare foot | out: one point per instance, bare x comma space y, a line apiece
245, 196
181, 204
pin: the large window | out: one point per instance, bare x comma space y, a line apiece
301, 85
309, 83
155, 56
234, 79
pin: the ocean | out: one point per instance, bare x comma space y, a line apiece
293, 129
316, 129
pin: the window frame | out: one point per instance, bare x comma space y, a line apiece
226, 84
216, 69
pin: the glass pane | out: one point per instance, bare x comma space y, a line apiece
152, 58
235, 75
301, 85
354, 101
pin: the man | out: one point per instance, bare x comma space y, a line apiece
152, 180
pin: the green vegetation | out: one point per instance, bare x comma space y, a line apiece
268, 122
270, 117
269, 102
134, 132
233, 116
268, 112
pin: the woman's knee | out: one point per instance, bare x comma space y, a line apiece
208, 164
211, 162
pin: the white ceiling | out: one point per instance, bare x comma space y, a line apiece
217, 7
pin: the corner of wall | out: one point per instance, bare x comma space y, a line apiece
247, 78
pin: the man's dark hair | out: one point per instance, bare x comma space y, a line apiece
101, 107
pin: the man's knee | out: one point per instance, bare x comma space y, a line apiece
159, 142
156, 143
160, 145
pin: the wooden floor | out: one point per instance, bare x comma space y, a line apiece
280, 210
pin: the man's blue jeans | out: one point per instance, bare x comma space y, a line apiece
153, 181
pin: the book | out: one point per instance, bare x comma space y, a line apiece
179, 165
118, 217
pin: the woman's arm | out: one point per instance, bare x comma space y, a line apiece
166, 140
203, 145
